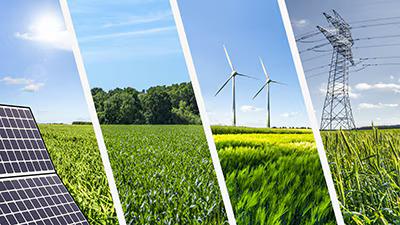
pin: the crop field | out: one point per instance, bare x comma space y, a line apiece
366, 171
76, 157
273, 176
164, 174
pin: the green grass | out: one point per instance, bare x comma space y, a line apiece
77, 160
274, 176
164, 174
250, 130
366, 170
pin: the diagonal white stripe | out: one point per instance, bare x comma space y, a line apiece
310, 110
93, 115
203, 113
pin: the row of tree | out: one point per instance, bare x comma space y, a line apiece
174, 104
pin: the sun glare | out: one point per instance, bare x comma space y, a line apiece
47, 26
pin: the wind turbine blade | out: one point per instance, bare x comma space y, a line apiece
222, 87
260, 90
276, 82
228, 58
244, 75
263, 67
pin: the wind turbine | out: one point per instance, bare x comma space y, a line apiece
232, 77
267, 85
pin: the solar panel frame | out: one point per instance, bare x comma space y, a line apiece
32, 175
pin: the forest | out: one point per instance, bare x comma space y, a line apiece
173, 104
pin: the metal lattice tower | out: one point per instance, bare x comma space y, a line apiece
337, 113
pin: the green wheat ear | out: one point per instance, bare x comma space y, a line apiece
366, 174
273, 176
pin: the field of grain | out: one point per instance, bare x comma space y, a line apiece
366, 170
273, 176
77, 160
164, 174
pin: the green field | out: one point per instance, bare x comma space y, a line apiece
273, 176
366, 170
164, 174
74, 151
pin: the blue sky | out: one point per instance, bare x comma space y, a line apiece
128, 43
375, 91
248, 31
38, 68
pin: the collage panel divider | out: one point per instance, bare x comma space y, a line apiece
93, 114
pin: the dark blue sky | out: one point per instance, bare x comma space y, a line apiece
249, 30
38, 68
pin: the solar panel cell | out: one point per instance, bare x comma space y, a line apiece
41, 199
30, 190
21, 147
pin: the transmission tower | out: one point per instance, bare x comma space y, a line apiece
337, 113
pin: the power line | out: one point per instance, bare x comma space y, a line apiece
378, 45
382, 64
314, 47
316, 57
327, 65
378, 37
376, 25
374, 20
357, 39
363, 66
381, 57
317, 68
310, 34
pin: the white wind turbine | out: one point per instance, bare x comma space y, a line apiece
232, 77
267, 85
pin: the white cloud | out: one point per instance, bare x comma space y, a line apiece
322, 89
154, 17
15, 81
378, 86
289, 114
376, 106
127, 34
301, 23
250, 108
56, 38
352, 94
391, 77
29, 85
33, 87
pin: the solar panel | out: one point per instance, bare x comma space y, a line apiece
38, 200
30, 190
22, 149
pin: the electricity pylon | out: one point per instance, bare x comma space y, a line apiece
337, 113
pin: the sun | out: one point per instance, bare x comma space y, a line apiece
47, 26
49, 29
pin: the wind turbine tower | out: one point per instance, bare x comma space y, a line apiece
232, 77
267, 86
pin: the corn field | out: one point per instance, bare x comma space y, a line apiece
76, 157
164, 174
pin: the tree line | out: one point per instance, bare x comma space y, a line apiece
173, 104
